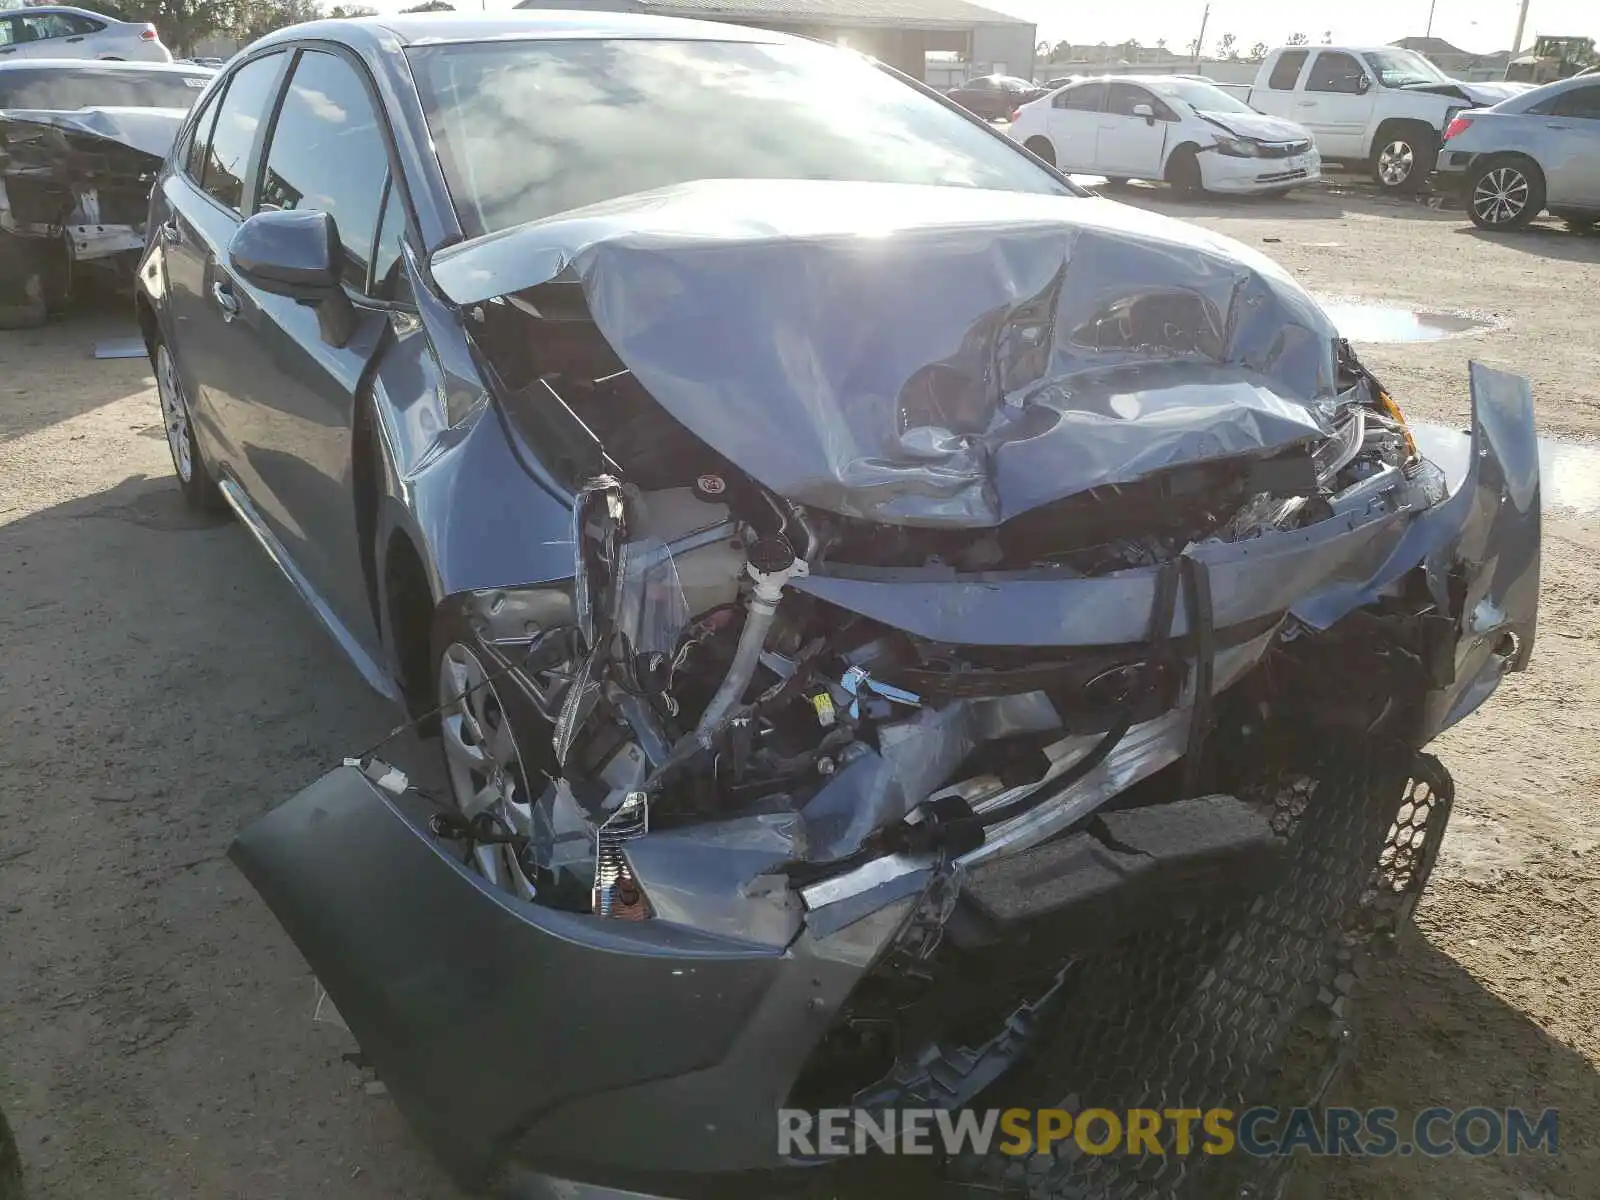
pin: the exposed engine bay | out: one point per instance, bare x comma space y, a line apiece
957, 618
74, 192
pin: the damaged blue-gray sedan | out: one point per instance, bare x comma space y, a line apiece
904, 633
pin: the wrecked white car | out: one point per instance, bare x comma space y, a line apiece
903, 632
80, 144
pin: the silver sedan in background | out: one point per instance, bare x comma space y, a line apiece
1536, 151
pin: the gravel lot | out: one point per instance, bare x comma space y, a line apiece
158, 1032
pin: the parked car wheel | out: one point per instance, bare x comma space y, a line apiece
1403, 156
1183, 172
1116, 181
1505, 193
194, 480
1041, 148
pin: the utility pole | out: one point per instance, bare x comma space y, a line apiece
1200, 42
1522, 22
1433, 4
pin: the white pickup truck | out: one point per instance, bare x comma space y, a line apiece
1379, 107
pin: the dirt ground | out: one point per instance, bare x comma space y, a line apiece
159, 1035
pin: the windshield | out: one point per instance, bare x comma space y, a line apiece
527, 129
1401, 68
72, 88
1203, 97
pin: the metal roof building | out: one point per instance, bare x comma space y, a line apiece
898, 32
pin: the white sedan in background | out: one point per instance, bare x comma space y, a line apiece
1186, 131
64, 32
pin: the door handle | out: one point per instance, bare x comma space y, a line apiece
79, 38
222, 293
1305, 103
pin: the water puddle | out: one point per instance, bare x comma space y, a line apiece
1364, 321
1569, 472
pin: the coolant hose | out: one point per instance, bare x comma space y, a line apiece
743, 668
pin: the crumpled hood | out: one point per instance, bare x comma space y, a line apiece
150, 130
1259, 126
1483, 94
928, 355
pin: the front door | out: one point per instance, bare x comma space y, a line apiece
1131, 144
328, 153
1338, 104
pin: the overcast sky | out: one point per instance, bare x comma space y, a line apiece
1479, 25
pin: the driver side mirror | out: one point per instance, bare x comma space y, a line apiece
1146, 111
297, 253
289, 253
1363, 84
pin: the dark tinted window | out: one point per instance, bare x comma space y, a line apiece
983, 84
36, 27
83, 24
1286, 70
1335, 72
328, 154
1579, 102
194, 155
529, 128
69, 88
244, 107
1089, 97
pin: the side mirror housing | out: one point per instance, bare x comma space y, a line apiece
289, 253
1145, 111
1363, 85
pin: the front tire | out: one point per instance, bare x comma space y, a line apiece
1505, 194
1403, 157
199, 489
1183, 173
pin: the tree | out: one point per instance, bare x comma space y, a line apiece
182, 23
1161, 43
1225, 46
430, 6
1193, 48
1040, 49
1257, 52
1297, 39
1327, 37
257, 18
349, 12
1130, 49
1061, 51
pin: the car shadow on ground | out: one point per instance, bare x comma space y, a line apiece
1309, 203
1432, 1035
1547, 241
97, 317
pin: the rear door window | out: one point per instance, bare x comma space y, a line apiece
329, 154
1088, 97
244, 108
1286, 70
194, 158
1579, 102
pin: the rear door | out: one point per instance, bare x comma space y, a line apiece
1570, 149
47, 34
203, 202
1280, 97
328, 151
1128, 144
1075, 125
1338, 104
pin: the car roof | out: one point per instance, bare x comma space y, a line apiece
61, 8
1534, 95
421, 29
104, 64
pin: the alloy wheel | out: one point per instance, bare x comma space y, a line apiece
485, 768
1501, 196
174, 415
1395, 163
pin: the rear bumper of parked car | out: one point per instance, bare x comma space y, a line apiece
142, 51
1249, 176
1449, 176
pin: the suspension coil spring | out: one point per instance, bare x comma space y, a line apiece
630, 820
